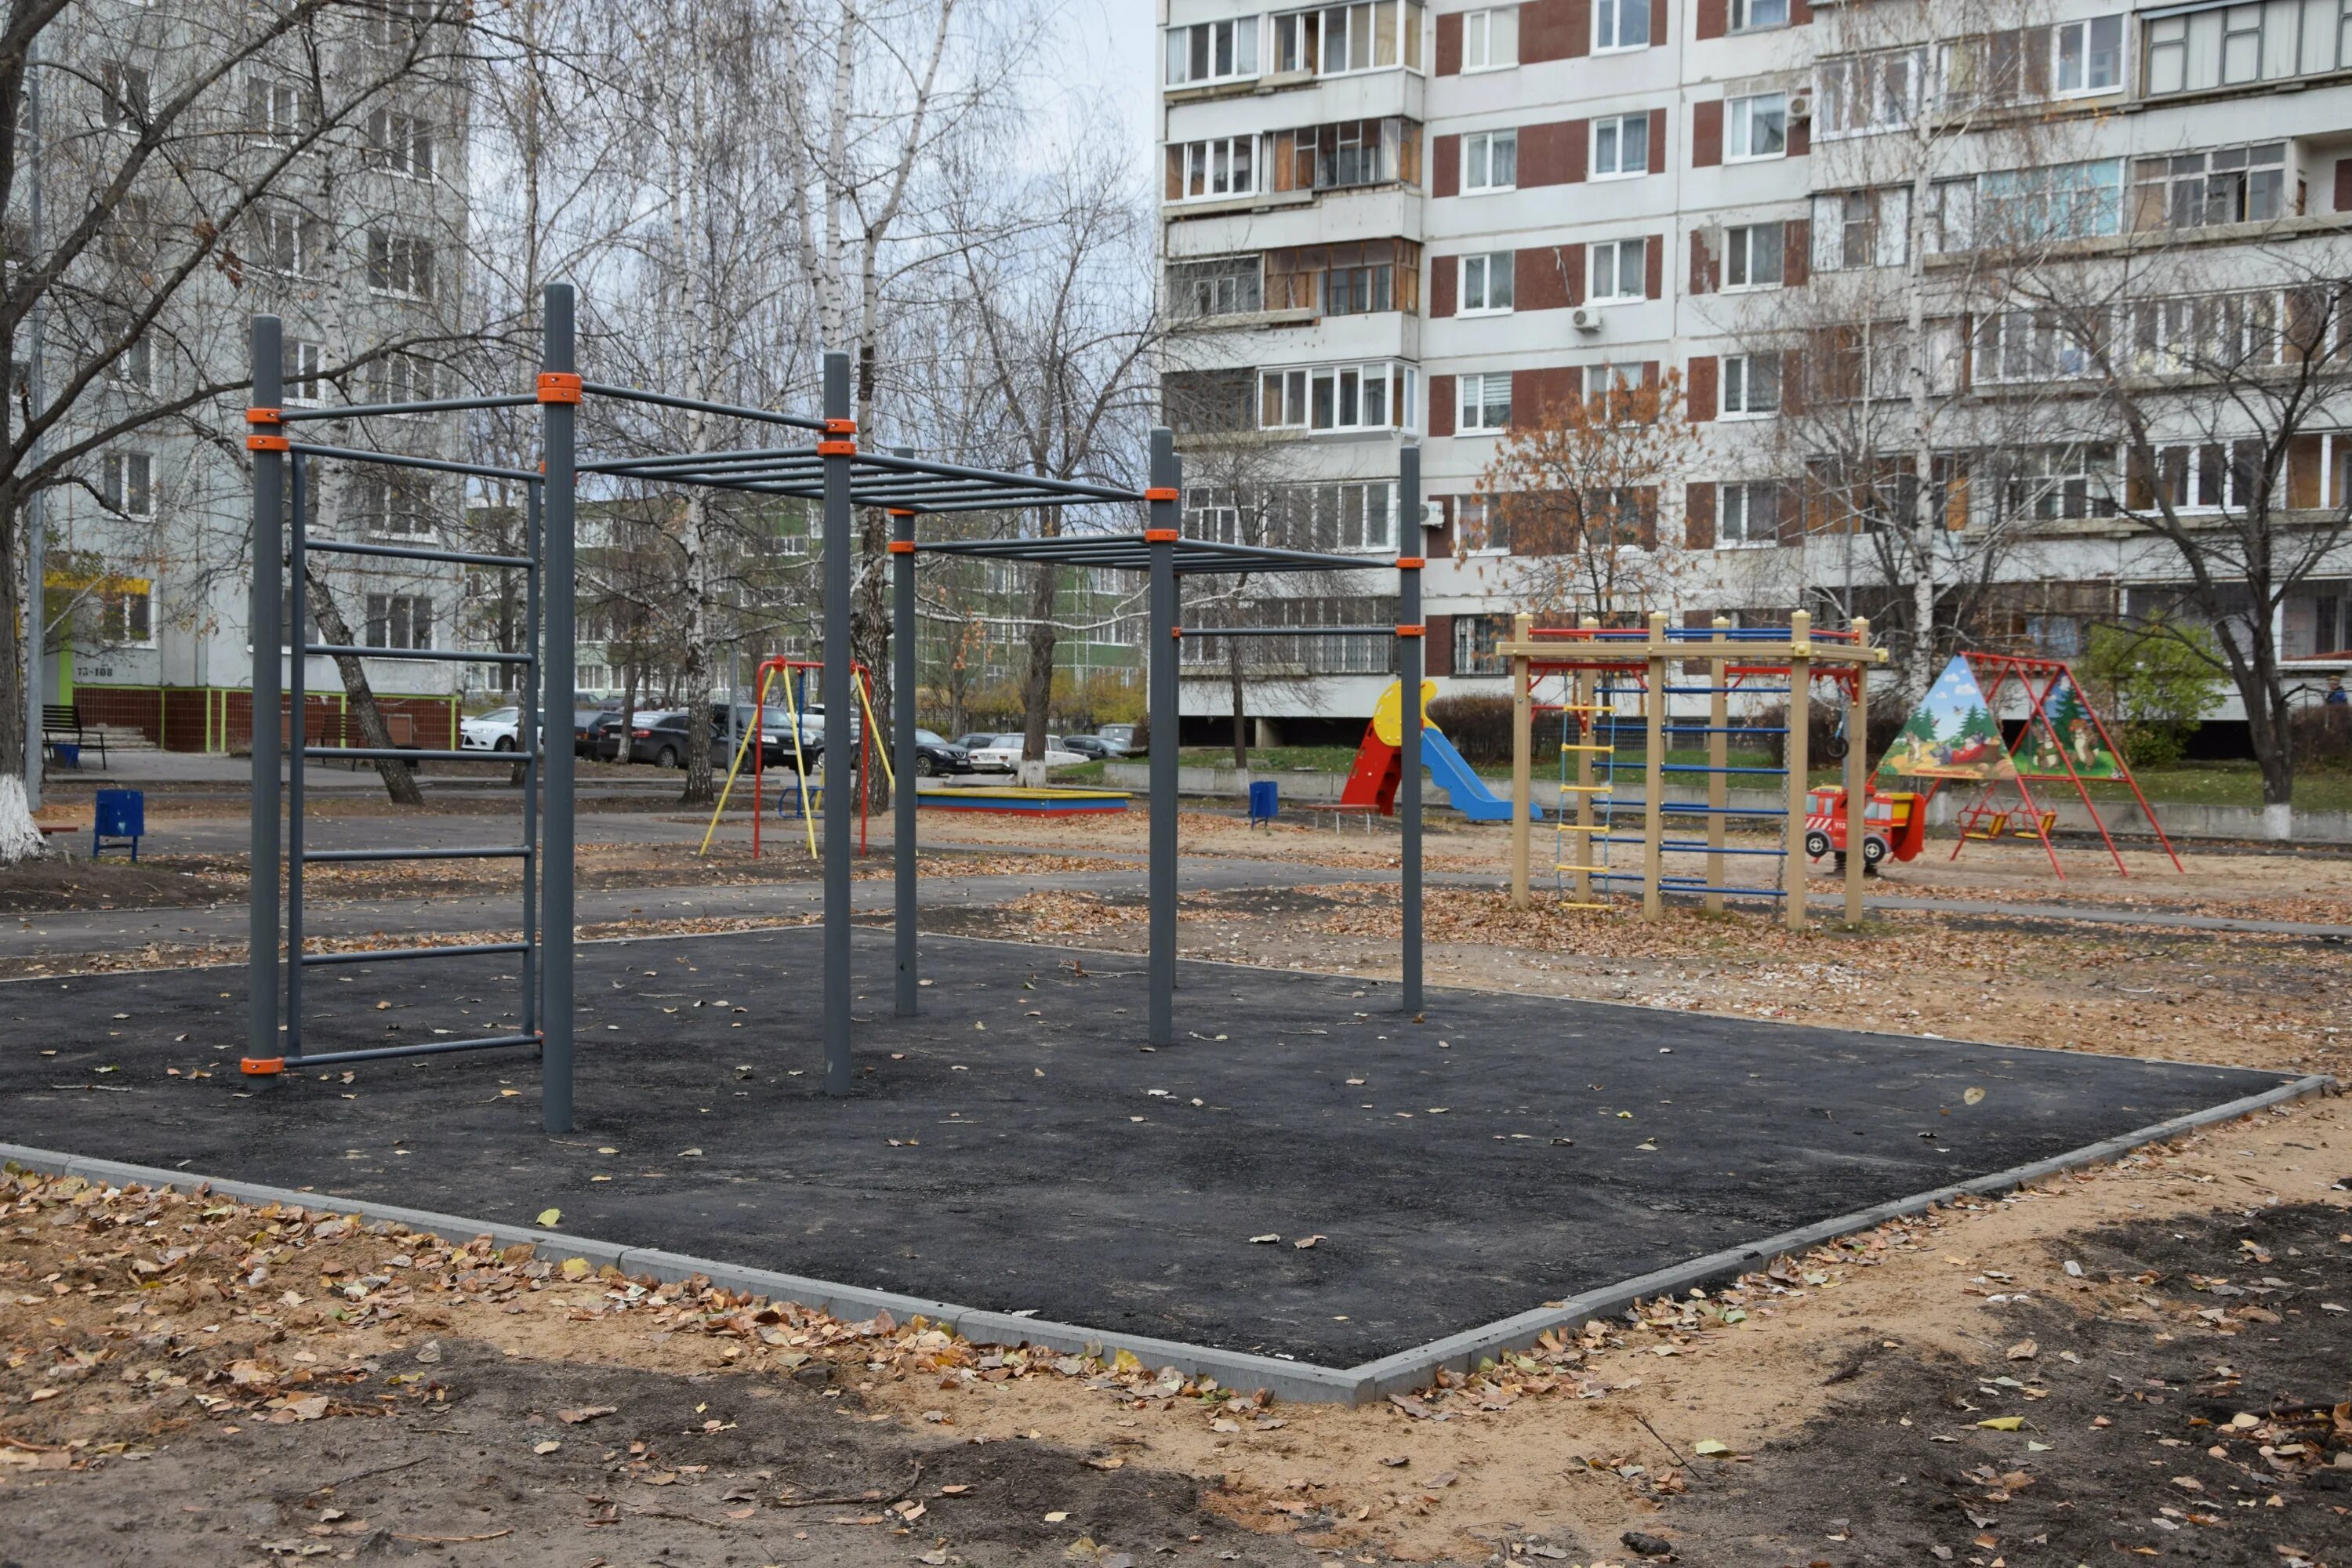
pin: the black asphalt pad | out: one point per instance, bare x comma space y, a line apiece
1016, 1148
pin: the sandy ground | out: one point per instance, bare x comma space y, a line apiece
2180, 1392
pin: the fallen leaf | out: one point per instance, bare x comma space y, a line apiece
1306, 1242
1269, 1236
1973, 1097
1057, 1516
1707, 1447
550, 1217
549, 1446
2002, 1422
585, 1413
2024, 1349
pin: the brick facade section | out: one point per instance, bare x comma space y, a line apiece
1700, 393
1555, 30
1659, 21
1714, 19
1797, 253
1705, 267
1446, 166
1441, 406
2344, 184
1445, 274
1449, 44
1698, 529
1437, 655
1657, 142
1707, 133
1654, 267
1533, 391
1556, 153
1548, 277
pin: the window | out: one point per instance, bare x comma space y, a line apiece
300, 364
2214, 334
399, 620
2192, 190
1227, 286
1356, 516
1759, 126
1485, 403
1211, 512
1621, 146
1206, 171
1490, 161
1212, 51
133, 361
400, 264
1336, 398
1862, 229
396, 23
127, 484
1751, 385
1487, 284
1868, 92
1748, 513
396, 503
1604, 381
292, 245
124, 89
125, 612
2234, 45
2022, 346
1621, 25
1347, 153
1490, 39
2069, 482
2062, 201
2088, 55
1369, 35
399, 378
1348, 280
1618, 266
400, 142
1752, 16
1475, 640
277, 109
1753, 255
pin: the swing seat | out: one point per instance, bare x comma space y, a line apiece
1993, 827
2049, 820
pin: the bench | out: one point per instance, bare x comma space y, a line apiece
61, 725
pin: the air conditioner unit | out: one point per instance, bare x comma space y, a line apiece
1801, 106
1584, 319
1432, 514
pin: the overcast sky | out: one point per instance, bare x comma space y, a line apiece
1110, 70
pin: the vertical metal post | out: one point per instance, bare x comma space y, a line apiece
1410, 639
903, 803
268, 446
534, 675
838, 451
1162, 532
1857, 777
559, 403
1523, 744
1798, 754
1589, 688
298, 605
1654, 782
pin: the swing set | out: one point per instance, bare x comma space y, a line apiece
795, 672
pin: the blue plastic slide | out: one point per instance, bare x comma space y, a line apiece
1465, 789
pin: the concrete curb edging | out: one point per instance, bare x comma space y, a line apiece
1401, 1373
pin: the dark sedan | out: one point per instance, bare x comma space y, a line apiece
1090, 747
662, 739
584, 731
935, 755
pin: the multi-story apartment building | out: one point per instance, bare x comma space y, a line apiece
1389, 223
357, 246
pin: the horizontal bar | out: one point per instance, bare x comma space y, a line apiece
400, 954
1691, 845
443, 655
958, 470
1670, 809
766, 417
1688, 885
1291, 631
398, 460
432, 406
410, 755
425, 1048
502, 852
416, 552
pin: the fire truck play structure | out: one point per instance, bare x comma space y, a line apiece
1619, 691
1893, 826
1955, 735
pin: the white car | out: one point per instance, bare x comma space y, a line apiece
1005, 755
492, 732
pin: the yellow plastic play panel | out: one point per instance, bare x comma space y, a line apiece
1388, 713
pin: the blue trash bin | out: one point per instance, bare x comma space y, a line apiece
1264, 800
122, 816
69, 753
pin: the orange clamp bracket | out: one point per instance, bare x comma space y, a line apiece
1175, 631
266, 422
558, 386
1411, 631
1162, 492
900, 511
261, 1066
266, 444
901, 546
1161, 535
841, 426
837, 448
263, 417
1409, 562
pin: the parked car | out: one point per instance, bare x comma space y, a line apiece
935, 755
976, 740
492, 732
584, 729
1094, 748
662, 739
1120, 738
606, 746
1004, 754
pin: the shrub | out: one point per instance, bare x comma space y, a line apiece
1479, 727
1828, 715
2155, 681
2323, 737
